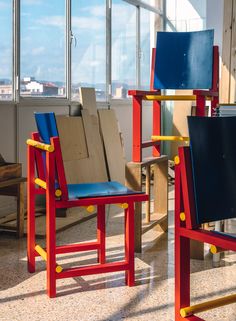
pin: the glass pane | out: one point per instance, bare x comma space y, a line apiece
123, 48
192, 18
146, 30
89, 47
43, 48
6, 48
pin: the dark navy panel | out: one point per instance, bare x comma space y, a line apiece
213, 153
85, 190
47, 126
184, 60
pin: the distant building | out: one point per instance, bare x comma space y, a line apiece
6, 91
120, 92
32, 87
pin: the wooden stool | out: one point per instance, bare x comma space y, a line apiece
160, 193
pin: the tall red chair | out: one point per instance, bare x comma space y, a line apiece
205, 182
46, 176
180, 61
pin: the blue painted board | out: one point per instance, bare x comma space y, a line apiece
85, 190
184, 60
47, 126
213, 154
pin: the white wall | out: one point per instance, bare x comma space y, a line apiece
214, 20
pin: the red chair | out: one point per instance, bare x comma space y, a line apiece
44, 154
205, 179
180, 61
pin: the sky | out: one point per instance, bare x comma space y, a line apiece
43, 40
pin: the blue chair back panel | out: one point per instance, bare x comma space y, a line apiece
47, 126
213, 154
184, 60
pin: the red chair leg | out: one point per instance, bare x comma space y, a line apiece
101, 233
51, 230
31, 211
182, 274
129, 244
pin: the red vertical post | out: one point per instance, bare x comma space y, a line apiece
215, 79
137, 128
101, 233
129, 243
156, 126
182, 253
200, 105
153, 69
30, 209
50, 225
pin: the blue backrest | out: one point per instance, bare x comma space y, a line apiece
213, 155
47, 126
184, 60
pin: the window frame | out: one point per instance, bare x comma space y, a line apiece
27, 101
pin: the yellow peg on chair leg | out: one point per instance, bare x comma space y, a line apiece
89, 208
123, 205
177, 160
182, 217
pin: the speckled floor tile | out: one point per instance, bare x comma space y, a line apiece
105, 297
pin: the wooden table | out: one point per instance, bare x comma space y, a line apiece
15, 187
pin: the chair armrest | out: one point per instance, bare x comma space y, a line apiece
36, 144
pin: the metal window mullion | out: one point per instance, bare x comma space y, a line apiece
144, 6
138, 48
108, 52
16, 72
68, 45
16, 51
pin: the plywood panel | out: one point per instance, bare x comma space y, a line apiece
88, 100
82, 149
226, 52
95, 147
72, 137
112, 143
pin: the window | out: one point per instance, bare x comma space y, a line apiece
62, 45
43, 25
146, 30
6, 50
192, 18
123, 48
89, 47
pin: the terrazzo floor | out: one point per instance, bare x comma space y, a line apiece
105, 297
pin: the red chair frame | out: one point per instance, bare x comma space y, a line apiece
187, 229
54, 168
200, 96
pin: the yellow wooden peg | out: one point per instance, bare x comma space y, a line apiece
182, 216
170, 138
34, 143
43, 184
89, 208
177, 160
123, 205
43, 255
208, 305
215, 249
